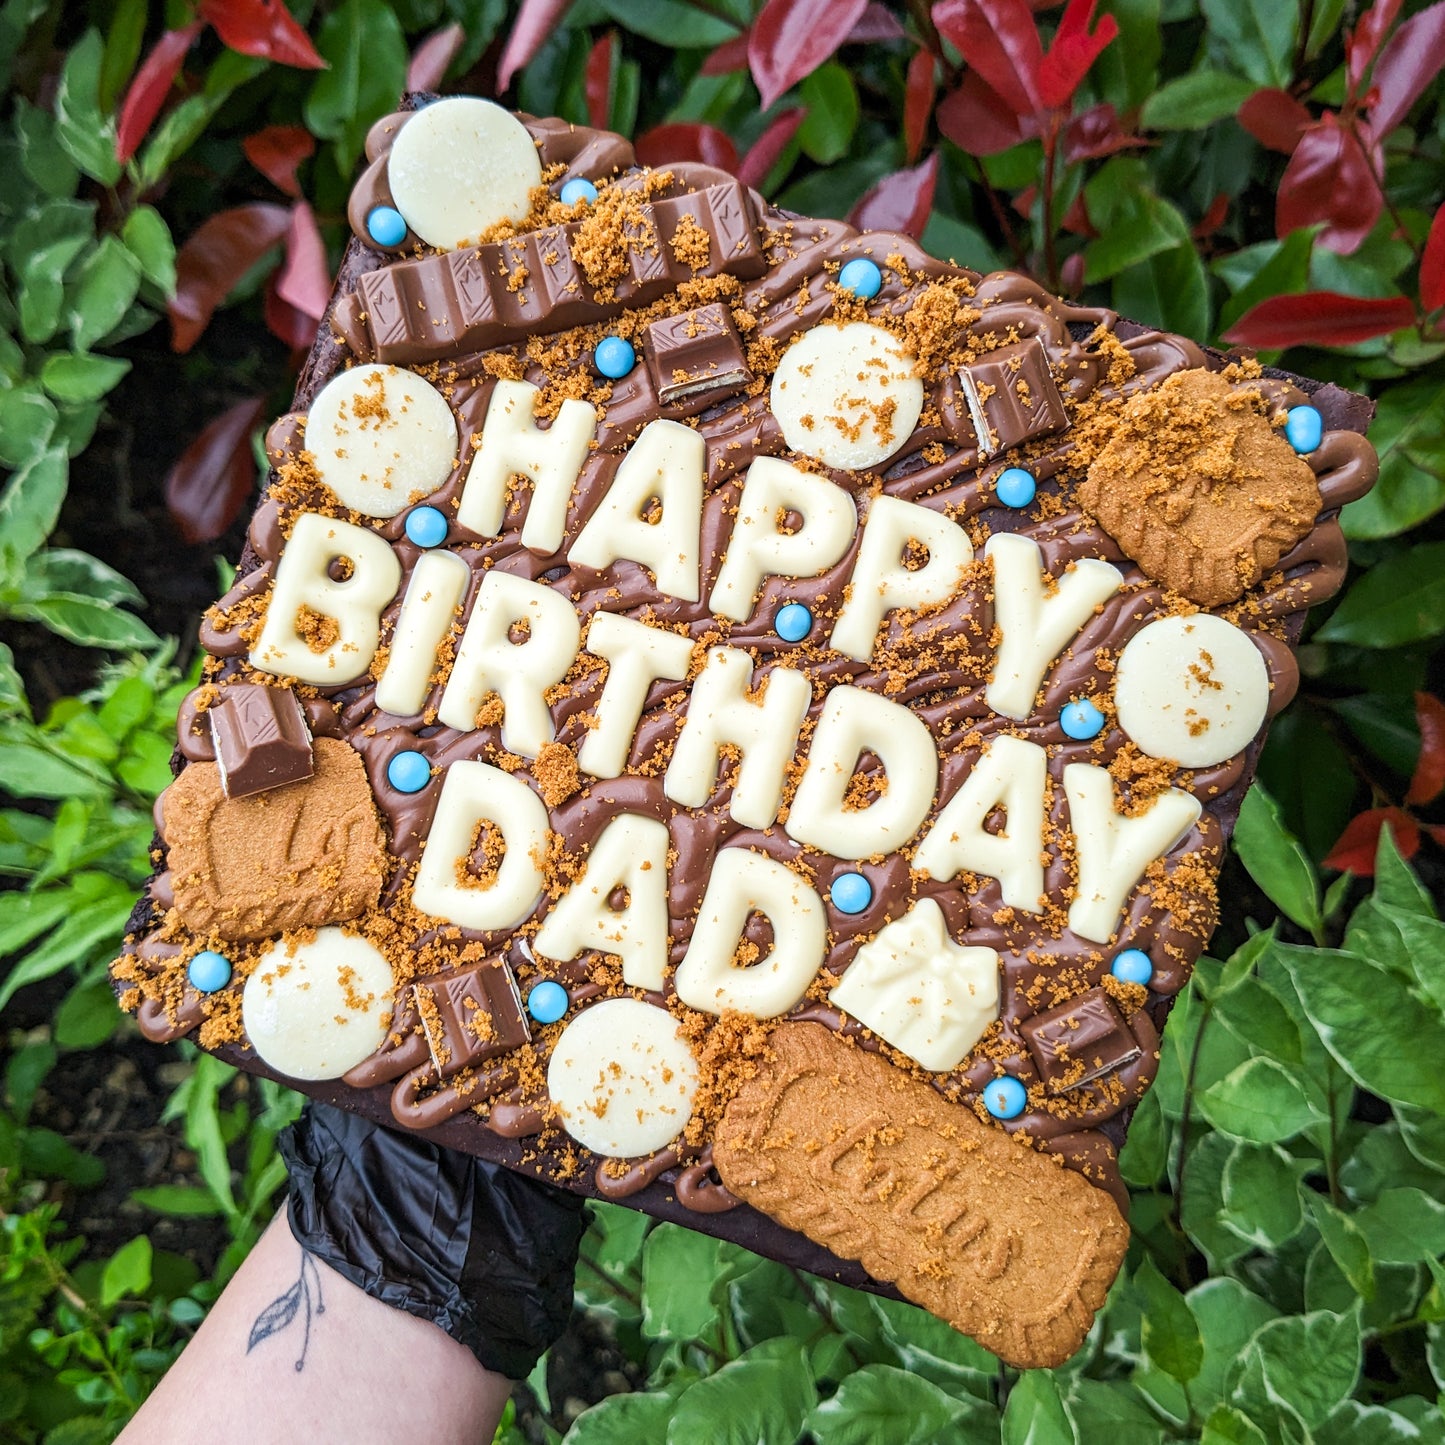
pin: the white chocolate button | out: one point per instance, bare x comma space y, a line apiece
847, 396
458, 167
623, 1078
1193, 689
319, 1009
382, 438
922, 992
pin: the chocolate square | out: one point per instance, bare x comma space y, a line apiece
1012, 397
694, 352
262, 740
1079, 1041
470, 1017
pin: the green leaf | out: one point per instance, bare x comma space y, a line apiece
363, 44
1274, 859
761, 1398
1286, 273
671, 22
87, 1017
1035, 1413
1306, 1363
27, 421
104, 290
79, 378
184, 1200
1170, 1332
42, 157
24, 916
1169, 290
1257, 36
127, 707
122, 49
1396, 883
953, 240
1400, 600
832, 103
639, 1419
1346, 1244
674, 1260
1142, 225
1227, 1426
28, 771
62, 569
148, 239
90, 929
29, 508
1195, 100
1260, 1101
881, 1402
50, 1155
87, 135
179, 131
1408, 432
1228, 1315
12, 689
127, 1271
1403, 1226
1260, 1195
87, 622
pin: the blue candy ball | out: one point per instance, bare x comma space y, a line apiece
209, 971
615, 357
851, 893
548, 1002
861, 277
1304, 428
1133, 966
1005, 1098
408, 772
1081, 720
1015, 487
793, 622
426, 526
386, 225
578, 190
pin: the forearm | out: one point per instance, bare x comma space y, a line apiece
292, 1352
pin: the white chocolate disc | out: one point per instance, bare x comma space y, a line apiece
847, 396
623, 1078
1193, 689
382, 438
458, 167
318, 1010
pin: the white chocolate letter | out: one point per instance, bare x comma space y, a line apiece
1114, 850
512, 443
518, 672
474, 793
1010, 775
637, 655
354, 605
881, 582
438, 584
630, 853
766, 733
666, 462
743, 883
854, 721
758, 549
1036, 625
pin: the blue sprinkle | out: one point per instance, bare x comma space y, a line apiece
1005, 1098
615, 357
862, 278
1133, 966
851, 893
1081, 720
548, 1002
1015, 487
793, 622
1304, 428
209, 971
426, 526
408, 772
386, 226
578, 190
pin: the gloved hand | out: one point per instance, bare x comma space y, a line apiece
484, 1253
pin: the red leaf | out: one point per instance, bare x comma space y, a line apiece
731, 55
305, 279
213, 477
536, 20
1413, 56
295, 328
1355, 851
1436, 832
918, 102
686, 141
265, 28
1363, 43
976, 118
1429, 780
998, 40
792, 38
276, 152
764, 152
1432, 264
1213, 218
598, 80
429, 61
1076, 219
902, 201
149, 87
1319, 318
1073, 51
1275, 119
876, 25
1330, 181
214, 258
1096, 132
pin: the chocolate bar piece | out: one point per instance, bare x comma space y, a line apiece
697, 351
1012, 397
470, 1017
1079, 1041
261, 737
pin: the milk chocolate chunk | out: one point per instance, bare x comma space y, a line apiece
470, 1017
1012, 397
697, 351
1078, 1041
261, 739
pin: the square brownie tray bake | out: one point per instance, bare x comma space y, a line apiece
737, 717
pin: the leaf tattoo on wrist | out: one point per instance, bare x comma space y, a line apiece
303, 1298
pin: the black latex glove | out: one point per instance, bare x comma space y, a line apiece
484, 1253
